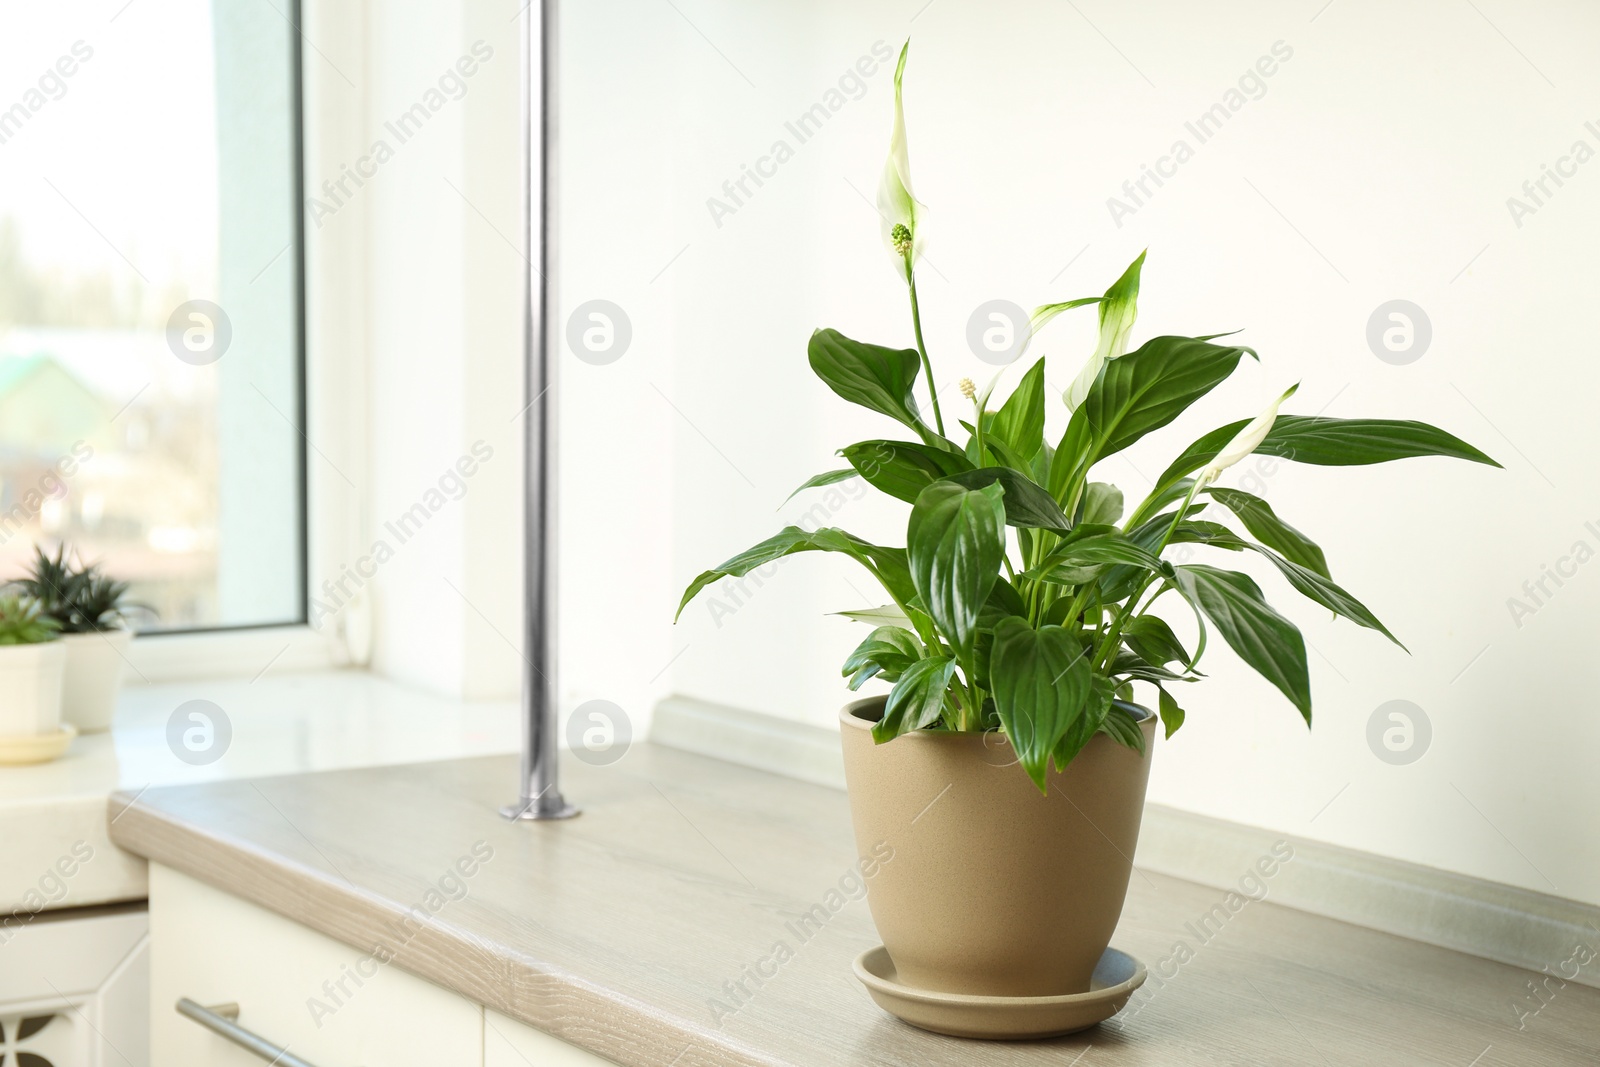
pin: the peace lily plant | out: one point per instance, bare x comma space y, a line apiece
1022, 600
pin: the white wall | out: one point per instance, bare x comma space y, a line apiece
1376, 166
422, 272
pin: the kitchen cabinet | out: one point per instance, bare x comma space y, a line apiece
72, 988
330, 1004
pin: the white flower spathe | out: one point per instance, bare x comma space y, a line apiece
1246, 441
1118, 310
898, 208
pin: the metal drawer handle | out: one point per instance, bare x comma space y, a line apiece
220, 1020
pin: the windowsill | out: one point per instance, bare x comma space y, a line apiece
284, 724
241, 653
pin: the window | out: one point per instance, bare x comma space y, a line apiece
151, 302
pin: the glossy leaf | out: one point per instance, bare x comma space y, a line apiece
1003, 601
1265, 640
902, 469
1148, 388
1121, 725
1154, 641
817, 481
1201, 532
1262, 522
1102, 503
1311, 584
1130, 666
917, 699
1020, 420
1095, 709
1026, 504
955, 541
888, 651
889, 564
875, 377
1325, 591
1172, 716
1003, 454
1103, 549
1041, 680
1327, 442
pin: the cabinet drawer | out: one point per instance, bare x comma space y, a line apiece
328, 1003
508, 1043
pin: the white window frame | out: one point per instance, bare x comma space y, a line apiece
335, 386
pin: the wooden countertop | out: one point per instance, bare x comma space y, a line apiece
625, 930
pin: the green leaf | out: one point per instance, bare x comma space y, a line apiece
1172, 716
1312, 584
998, 450
1102, 503
902, 469
1154, 641
1201, 532
1039, 466
1129, 666
888, 650
1073, 456
1020, 422
1026, 504
1124, 728
917, 699
1259, 518
1326, 442
887, 564
829, 478
1325, 591
1112, 548
1161, 496
1041, 681
1133, 395
1356, 442
1152, 385
1102, 691
955, 542
1265, 640
875, 377
1003, 601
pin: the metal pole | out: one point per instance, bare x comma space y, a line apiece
540, 796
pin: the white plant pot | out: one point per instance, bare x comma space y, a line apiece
93, 678
30, 688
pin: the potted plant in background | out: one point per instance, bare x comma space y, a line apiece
1007, 765
31, 663
90, 609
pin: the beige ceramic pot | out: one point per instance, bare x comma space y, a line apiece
993, 889
30, 689
93, 678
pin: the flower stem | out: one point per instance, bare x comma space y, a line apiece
922, 349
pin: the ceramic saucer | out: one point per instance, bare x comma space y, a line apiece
1116, 976
36, 748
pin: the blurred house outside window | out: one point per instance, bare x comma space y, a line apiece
151, 302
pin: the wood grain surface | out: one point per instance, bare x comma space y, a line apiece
629, 930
